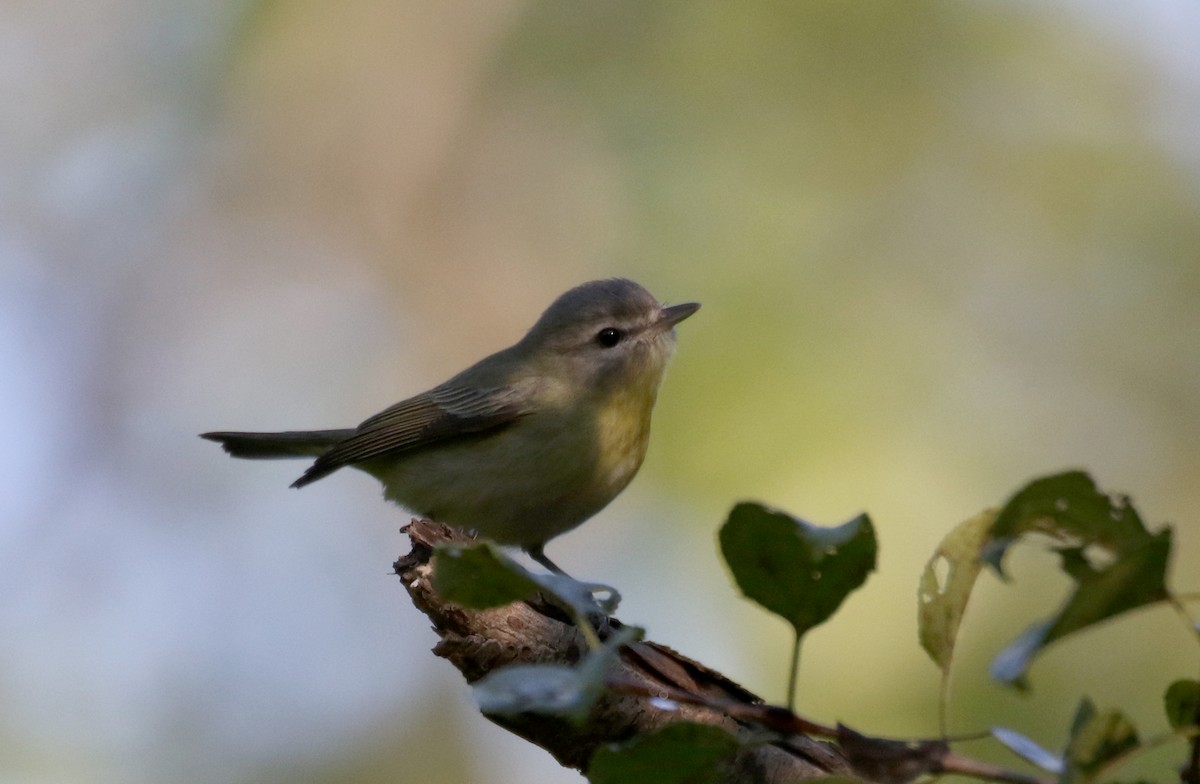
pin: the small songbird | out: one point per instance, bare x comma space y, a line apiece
525, 444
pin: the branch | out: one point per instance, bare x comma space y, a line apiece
653, 686
480, 641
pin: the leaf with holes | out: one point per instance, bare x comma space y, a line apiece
946, 585
1066, 507
1116, 563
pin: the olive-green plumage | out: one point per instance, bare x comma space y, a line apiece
525, 444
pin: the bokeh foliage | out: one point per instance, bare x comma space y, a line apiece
941, 247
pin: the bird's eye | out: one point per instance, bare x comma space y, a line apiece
608, 337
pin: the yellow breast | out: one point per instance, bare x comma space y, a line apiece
622, 434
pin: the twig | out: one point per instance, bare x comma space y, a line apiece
653, 686
480, 641
967, 766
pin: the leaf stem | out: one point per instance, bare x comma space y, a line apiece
1190, 734
1177, 604
944, 702
791, 689
584, 625
966, 766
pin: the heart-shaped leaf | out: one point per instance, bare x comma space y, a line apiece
799, 571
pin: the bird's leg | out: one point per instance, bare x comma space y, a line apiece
594, 616
537, 553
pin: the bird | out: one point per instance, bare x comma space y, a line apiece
527, 443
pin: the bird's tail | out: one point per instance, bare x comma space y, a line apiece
270, 446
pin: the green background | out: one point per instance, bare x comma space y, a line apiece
942, 248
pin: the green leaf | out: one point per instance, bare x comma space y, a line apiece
1069, 508
796, 570
479, 576
1182, 703
946, 585
1096, 739
1136, 578
552, 689
679, 753
1116, 563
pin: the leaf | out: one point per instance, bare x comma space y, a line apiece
1096, 739
1067, 507
943, 601
679, 753
796, 570
1116, 563
1028, 750
579, 595
1182, 703
1010, 664
479, 576
553, 689
536, 688
1136, 578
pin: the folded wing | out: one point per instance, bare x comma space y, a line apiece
442, 413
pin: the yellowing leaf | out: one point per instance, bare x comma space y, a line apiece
946, 585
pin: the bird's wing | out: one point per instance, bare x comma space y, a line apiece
441, 413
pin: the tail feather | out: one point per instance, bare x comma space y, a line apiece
271, 446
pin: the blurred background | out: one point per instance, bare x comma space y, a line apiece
942, 248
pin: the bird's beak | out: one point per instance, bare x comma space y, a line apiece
676, 313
